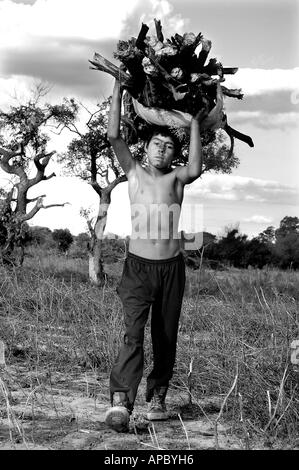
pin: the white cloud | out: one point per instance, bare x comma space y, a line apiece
259, 81
240, 188
22, 24
265, 120
13, 87
91, 19
52, 39
163, 10
258, 219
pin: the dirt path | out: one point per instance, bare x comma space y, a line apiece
49, 411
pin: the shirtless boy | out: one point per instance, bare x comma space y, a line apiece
154, 270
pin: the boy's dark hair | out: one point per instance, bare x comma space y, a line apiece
165, 132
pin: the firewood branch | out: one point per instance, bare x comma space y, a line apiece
100, 63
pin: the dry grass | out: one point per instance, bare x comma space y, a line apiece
239, 320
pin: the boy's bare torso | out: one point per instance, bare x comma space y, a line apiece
155, 208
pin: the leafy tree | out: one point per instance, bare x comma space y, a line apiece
90, 157
41, 236
231, 247
287, 242
24, 137
258, 253
288, 225
63, 239
82, 241
267, 236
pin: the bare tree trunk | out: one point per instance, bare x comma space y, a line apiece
96, 270
97, 274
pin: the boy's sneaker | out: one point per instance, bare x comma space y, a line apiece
118, 416
157, 408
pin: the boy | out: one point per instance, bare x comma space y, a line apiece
154, 270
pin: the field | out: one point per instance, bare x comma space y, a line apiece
234, 385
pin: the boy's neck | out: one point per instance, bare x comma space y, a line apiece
156, 172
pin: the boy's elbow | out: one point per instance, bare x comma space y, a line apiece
195, 172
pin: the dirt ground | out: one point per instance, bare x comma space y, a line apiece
47, 411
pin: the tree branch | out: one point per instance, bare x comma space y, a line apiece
7, 167
74, 130
114, 167
46, 178
56, 205
95, 185
28, 201
40, 175
39, 205
106, 177
46, 158
114, 183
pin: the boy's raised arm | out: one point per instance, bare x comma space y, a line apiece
119, 146
189, 173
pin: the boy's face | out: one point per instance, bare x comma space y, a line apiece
160, 151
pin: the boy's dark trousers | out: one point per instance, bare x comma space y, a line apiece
146, 282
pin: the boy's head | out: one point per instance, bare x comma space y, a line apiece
162, 147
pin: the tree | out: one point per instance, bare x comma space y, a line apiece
258, 253
231, 248
287, 242
63, 239
24, 135
90, 157
267, 236
82, 240
41, 236
288, 225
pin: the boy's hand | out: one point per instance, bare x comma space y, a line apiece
118, 80
202, 113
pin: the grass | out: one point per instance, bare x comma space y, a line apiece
236, 329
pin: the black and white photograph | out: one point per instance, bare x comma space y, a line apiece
149, 228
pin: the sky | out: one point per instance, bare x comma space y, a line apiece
52, 40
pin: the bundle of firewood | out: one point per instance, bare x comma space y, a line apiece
168, 82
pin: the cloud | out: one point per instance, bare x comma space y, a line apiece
64, 65
271, 98
90, 19
262, 81
26, 2
240, 188
258, 219
52, 40
264, 120
272, 102
163, 10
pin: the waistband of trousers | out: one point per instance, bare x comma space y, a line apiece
154, 261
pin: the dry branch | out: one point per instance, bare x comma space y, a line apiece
168, 76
